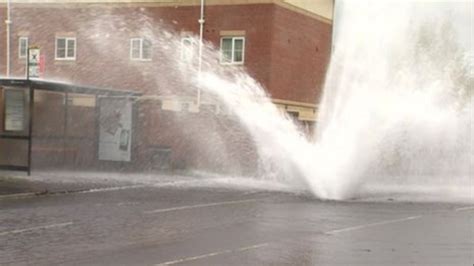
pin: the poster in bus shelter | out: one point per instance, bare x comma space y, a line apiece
115, 129
14, 109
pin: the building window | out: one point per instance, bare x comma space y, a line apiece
187, 49
232, 50
65, 48
140, 49
22, 47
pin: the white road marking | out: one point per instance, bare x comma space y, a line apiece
35, 228
222, 203
467, 208
253, 247
18, 195
242, 249
154, 185
105, 189
359, 227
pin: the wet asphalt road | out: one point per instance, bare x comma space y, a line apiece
198, 226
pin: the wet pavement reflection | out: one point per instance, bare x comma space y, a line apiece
199, 226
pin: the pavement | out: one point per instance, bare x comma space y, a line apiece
16, 185
196, 222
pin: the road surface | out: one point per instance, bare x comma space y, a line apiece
172, 225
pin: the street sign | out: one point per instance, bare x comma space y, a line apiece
34, 62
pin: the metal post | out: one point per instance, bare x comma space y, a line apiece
65, 129
134, 145
201, 35
8, 23
31, 106
28, 63
97, 127
30, 124
332, 27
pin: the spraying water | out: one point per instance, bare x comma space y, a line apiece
402, 94
396, 114
397, 109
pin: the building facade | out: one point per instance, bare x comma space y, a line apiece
125, 45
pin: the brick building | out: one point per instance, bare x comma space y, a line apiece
123, 45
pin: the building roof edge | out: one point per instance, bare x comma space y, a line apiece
282, 3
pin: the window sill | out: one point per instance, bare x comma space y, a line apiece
232, 64
141, 60
65, 59
64, 62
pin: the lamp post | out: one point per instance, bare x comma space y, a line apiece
333, 28
201, 33
8, 23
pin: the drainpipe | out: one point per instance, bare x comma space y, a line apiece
8, 23
201, 33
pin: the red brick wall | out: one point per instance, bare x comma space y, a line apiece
102, 56
198, 141
3, 48
62, 137
256, 21
285, 51
300, 52
103, 42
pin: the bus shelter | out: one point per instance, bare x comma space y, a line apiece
58, 124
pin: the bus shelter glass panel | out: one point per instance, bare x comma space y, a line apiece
14, 126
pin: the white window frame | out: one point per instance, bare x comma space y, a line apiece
232, 60
66, 57
140, 58
19, 47
185, 49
